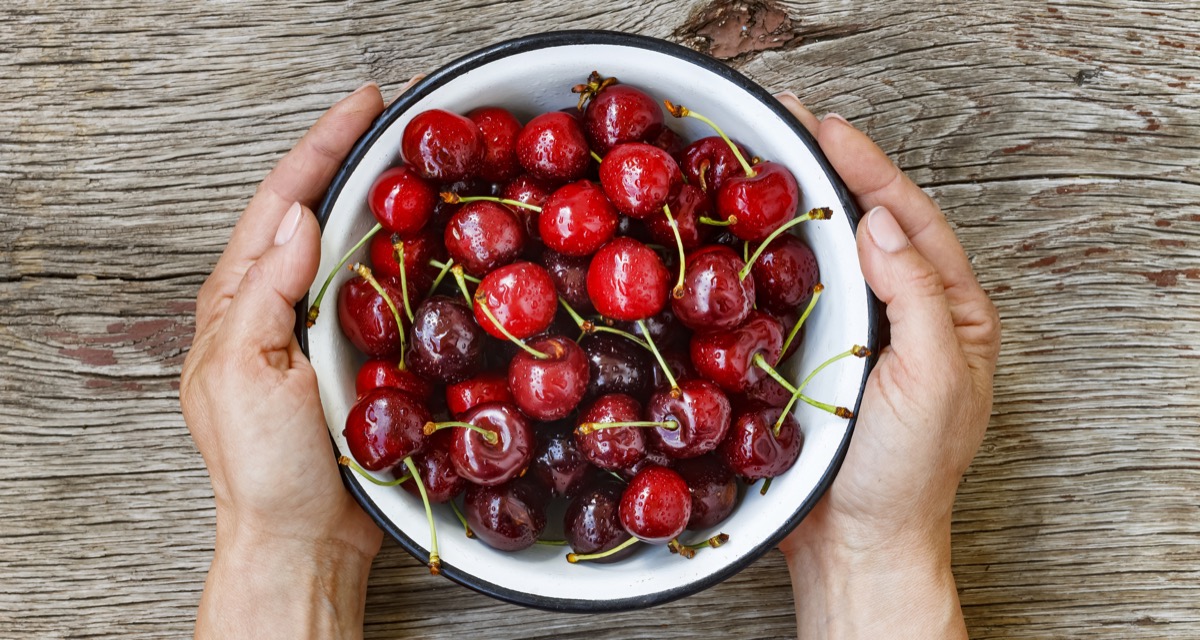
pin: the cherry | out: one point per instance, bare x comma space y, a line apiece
482, 236
714, 490
549, 388
680, 362
701, 412
752, 448
785, 273
529, 190
522, 298
569, 275
442, 482
668, 141
418, 251
715, 297
577, 219
465, 188
481, 461
377, 373
788, 320
761, 202
639, 178
367, 319
384, 427
442, 146
619, 113
489, 386
727, 357
510, 517
707, 162
499, 128
552, 146
665, 329
627, 280
765, 392
447, 344
617, 365
652, 458
401, 200
592, 522
656, 505
559, 464
689, 206
614, 448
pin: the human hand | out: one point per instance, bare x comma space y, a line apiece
928, 399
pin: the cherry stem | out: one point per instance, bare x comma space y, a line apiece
461, 279
435, 561
677, 292
451, 265
680, 111
552, 543
314, 309
856, 351
596, 157
588, 327
820, 213
488, 435
713, 542
365, 273
398, 250
454, 198
437, 282
575, 557
479, 300
617, 476
766, 485
812, 303
746, 251
783, 382
675, 392
463, 519
588, 427
718, 223
347, 462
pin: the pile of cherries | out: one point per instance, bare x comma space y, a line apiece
616, 307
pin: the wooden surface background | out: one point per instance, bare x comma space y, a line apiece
1062, 139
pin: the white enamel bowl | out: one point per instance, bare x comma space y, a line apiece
532, 75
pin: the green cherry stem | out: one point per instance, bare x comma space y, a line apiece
575, 557
677, 292
450, 265
454, 198
463, 519
483, 306
398, 251
812, 303
766, 485
461, 279
588, 327
680, 111
718, 223
347, 462
552, 543
783, 382
675, 392
314, 309
365, 273
596, 157
435, 561
819, 213
856, 351
489, 436
437, 282
589, 427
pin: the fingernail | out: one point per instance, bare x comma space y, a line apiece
834, 116
408, 85
788, 94
291, 222
364, 88
885, 231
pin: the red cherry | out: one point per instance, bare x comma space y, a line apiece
688, 205
384, 427
401, 200
483, 463
614, 448
627, 281
656, 506
761, 203
668, 141
522, 297
785, 273
715, 297
418, 251
442, 146
549, 388
592, 522
528, 189
570, 279
559, 465
727, 357
482, 236
510, 517
714, 490
639, 178
386, 373
618, 114
577, 219
754, 451
447, 345
702, 412
552, 146
499, 128
707, 162
366, 319
489, 386
442, 482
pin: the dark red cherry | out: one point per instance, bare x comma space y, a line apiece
688, 205
702, 412
714, 490
401, 200
559, 465
483, 463
727, 357
482, 236
418, 251
509, 517
787, 319
618, 114
442, 146
442, 482
668, 141
549, 389
714, 297
386, 373
445, 210
592, 522
627, 281
553, 147
680, 362
447, 345
752, 449
765, 392
656, 505
499, 128
617, 365
570, 279
653, 458
366, 319
616, 447
384, 427
528, 189
521, 296
577, 219
665, 329
761, 203
784, 274
707, 162
489, 386
639, 178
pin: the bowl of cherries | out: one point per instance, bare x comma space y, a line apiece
590, 328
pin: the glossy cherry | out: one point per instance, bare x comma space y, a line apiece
549, 388
714, 490
668, 141
384, 427
401, 200
653, 458
618, 447
553, 147
577, 219
442, 146
617, 365
499, 128
418, 251
592, 522
522, 298
442, 482
702, 412
559, 464
784, 274
727, 357
707, 162
569, 275
482, 236
447, 345
485, 463
366, 319
715, 297
754, 451
529, 190
639, 178
688, 206
619, 113
627, 280
489, 386
377, 373
665, 329
656, 505
510, 517
680, 362
761, 203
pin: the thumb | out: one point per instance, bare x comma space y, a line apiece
921, 324
262, 313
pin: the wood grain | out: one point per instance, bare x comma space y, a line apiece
1061, 138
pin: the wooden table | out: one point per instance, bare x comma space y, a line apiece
1062, 139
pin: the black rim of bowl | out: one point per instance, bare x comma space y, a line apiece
581, 37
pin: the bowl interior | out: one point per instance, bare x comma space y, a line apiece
538, 78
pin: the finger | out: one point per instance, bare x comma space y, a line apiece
261, 315
302, 176
414, 80
793, 104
